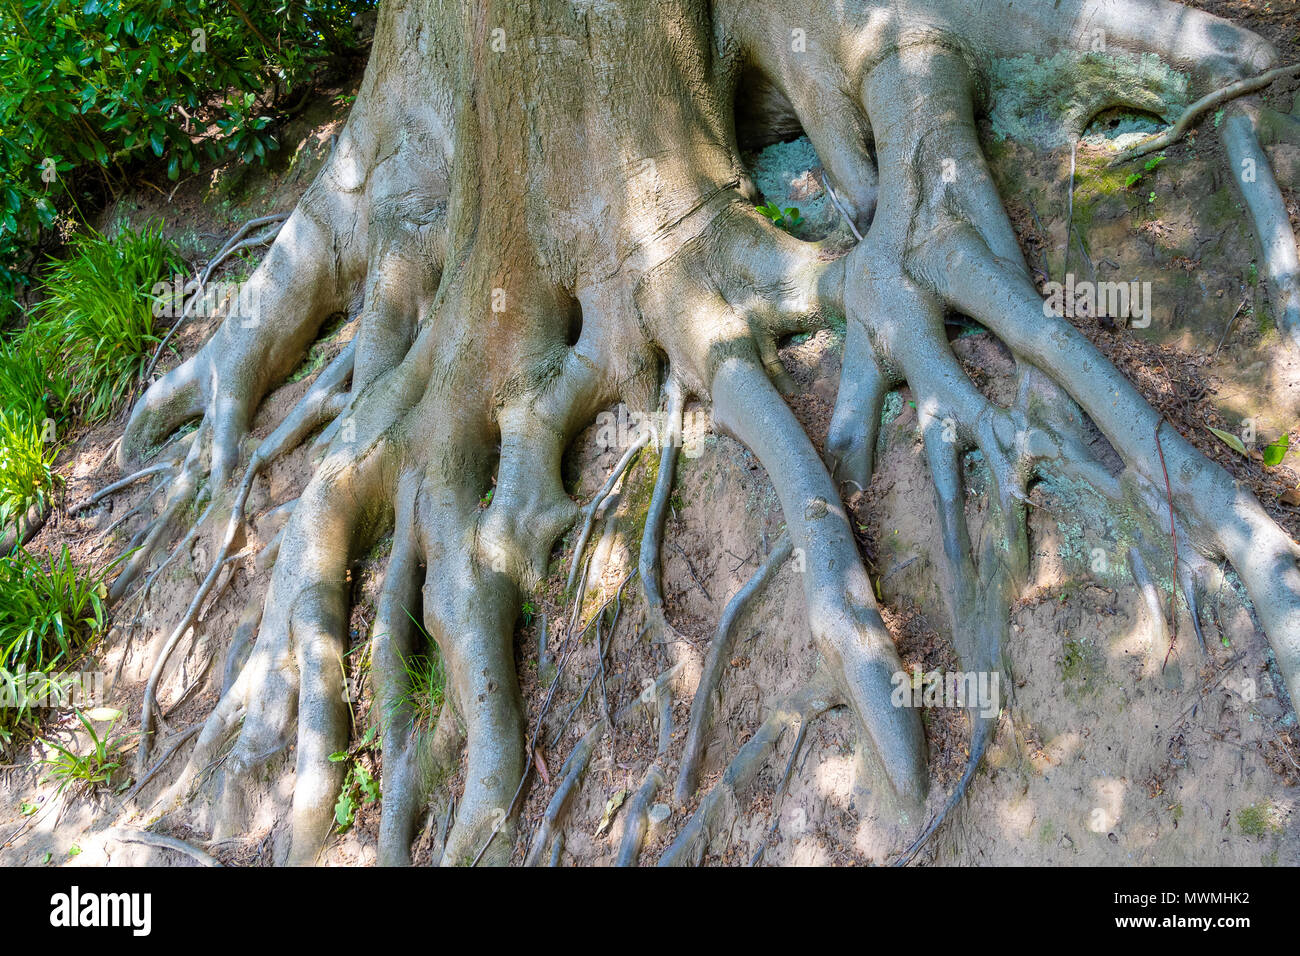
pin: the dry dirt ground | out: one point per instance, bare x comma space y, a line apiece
1102, 755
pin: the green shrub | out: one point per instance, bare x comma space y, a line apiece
91, 87
96, 322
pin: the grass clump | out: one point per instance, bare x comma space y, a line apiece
425, 688
91, 770
26, 466
425, 684
96, 323
27, 387
52, 611
30, 401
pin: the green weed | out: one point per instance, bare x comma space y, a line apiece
90, 770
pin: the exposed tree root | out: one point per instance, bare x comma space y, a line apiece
178, 740
593, 509
117, 486
1202, 106
306, 416
714, 662
25, 526
841, 603
1280, 262
571, 774
575, 766
652, 536
147, 501
195, 288
691, 843
636, 818
1146, 586
781, 788
162, 842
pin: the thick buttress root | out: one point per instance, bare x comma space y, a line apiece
322, 400
467, 384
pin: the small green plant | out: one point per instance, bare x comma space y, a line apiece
788, 218
97, 320
528, 612
426, 688
1133, 178
359, 784
1152, 197
1276, 451
23, 693
91, 770
426, 683
49, 611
